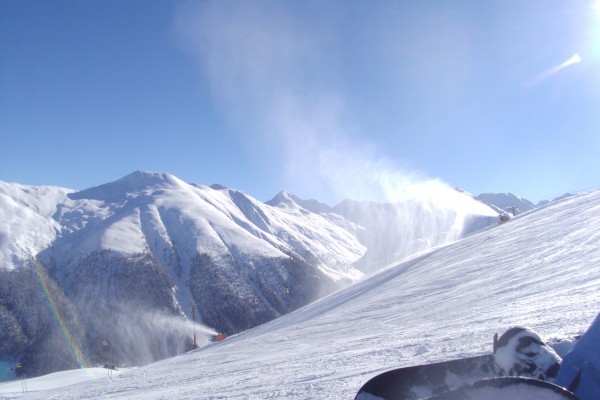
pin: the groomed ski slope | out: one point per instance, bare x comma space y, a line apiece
541, 269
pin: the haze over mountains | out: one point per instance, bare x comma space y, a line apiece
114, 257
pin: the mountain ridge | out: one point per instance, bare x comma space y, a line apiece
175, 245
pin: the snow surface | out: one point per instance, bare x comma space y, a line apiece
539, 270
16, 388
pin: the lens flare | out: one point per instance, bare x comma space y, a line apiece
575, 59
56, 314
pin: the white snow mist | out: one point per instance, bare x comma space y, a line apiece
141, 336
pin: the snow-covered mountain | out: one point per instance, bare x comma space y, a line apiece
175, 221
539, 270
151, 242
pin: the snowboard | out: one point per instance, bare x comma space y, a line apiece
423, 381
508, 388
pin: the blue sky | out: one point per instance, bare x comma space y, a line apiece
327, 99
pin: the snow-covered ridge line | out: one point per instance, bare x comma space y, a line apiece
72, 211
286, 222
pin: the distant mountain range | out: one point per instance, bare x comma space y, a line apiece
110, 260
506, 202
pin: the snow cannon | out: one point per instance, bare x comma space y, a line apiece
502, 218
219, 337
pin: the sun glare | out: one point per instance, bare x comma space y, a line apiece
594, 32
573, 60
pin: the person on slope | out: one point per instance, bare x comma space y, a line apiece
580, 369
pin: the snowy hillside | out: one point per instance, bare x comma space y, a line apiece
539, 270
28, 226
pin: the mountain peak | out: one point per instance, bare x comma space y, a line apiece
285, 199
135, 182
217, 186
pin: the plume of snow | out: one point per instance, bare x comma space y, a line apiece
146, 335
265, 68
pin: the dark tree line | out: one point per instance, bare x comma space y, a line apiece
120, 309
29, 327
233, 297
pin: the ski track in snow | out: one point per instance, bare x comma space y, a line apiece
540, 270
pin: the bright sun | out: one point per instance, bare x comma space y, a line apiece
595, 29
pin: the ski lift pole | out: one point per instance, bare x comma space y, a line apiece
194, 344
105, 346
23, 378
24, 383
